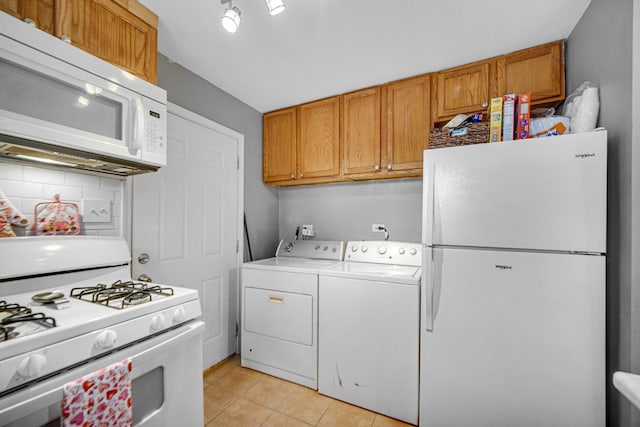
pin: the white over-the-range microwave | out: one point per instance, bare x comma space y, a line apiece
64, 107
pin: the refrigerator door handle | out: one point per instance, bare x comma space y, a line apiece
429, 203
428, 287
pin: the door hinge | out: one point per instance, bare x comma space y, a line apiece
236, 329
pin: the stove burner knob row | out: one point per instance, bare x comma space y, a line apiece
32, 365
106, 339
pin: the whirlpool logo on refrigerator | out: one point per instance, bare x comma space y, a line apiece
584, 155
503, 267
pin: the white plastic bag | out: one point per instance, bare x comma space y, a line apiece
582, 107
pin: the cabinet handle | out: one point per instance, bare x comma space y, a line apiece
276, 300
376, 167
292, 176
389, 166
31, 22
485, 104
65, 39
301, 175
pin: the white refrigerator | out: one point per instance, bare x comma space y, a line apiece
513, 284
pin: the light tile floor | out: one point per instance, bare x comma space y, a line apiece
239, 397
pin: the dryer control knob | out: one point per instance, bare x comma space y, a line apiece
401, 251
157, 322
382, 250
354, 248
179, 315
413, 251
325, 248
365, 249
106, 339
32, 365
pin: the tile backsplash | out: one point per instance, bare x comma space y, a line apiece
27, 186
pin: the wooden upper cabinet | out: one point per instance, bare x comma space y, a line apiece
539, 70
463, 90
361, 132
279, 145
408, 122
41, 12
319, 139
110, 31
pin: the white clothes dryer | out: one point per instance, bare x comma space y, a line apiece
369, 328
279, 311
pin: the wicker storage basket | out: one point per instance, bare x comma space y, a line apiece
476, 133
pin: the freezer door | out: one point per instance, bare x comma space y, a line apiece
546, 194
517, 339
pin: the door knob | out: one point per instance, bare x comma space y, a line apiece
144, 278
143, 258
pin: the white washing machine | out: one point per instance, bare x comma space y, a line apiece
369, 326
280, 309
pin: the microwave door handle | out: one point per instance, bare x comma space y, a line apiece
138, 124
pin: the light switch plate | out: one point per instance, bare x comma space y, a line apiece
95, 210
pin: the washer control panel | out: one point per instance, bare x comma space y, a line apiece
384, 252
315, 249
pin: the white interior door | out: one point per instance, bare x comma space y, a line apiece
187, 219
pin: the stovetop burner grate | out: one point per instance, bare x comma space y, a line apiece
120, 294
16, 320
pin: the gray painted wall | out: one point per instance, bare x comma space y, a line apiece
195, 94
346, 211
602, 53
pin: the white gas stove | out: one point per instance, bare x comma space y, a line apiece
96, 314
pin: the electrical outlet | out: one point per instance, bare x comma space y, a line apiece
378, 228
307, 230
94, 210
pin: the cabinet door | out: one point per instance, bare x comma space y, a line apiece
408, 122
40, 11
539, 70
361, 132
111, 32
279, 145
319, 139
463, 90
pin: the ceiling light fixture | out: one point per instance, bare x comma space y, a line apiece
231, 17
275, 6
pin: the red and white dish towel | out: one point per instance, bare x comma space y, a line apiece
99, 399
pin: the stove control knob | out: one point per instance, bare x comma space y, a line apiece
401, 251
354, 248
413, 251
157, 323
106, 339
32, 365
382, 250
365, 249
179, 315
